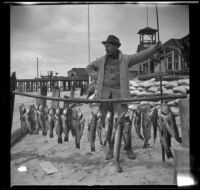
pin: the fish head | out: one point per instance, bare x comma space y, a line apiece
65, 111
58, 111
165, 110
51, 111
41, 108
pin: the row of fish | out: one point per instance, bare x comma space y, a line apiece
66, 119
163, 120
111, 129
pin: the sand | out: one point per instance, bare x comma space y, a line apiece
83, 167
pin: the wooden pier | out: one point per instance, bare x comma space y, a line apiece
64, 83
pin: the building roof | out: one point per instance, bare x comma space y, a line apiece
147, 30
79, 71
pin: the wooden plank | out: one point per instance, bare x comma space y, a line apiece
43, 92
184, 119
48, 167
56, 94
117, 100
181, 163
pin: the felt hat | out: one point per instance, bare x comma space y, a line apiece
113, 40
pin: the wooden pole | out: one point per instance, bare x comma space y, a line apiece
89, 38
161, 93
12, 95
37, 69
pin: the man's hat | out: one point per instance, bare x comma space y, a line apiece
113, 40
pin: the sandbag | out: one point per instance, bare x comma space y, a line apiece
141, 89
147, 84
132, 88
134, 93
180, 89
143, 93
163, 83
171, 84
153, 89
183, 82
187, 88
134, 83
168, 92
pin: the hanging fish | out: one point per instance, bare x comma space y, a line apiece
58, 125
42, 119
51, 122
65, 124
137, 121
92, 123
37, 123
170, 121
146, 125
99, 127
154, 120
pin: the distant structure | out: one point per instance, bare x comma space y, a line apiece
80, 74
147, 38
174, 58
77, 77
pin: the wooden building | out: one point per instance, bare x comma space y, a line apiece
174, 58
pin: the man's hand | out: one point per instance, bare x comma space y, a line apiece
159, 46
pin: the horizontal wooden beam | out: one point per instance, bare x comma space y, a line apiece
118, 100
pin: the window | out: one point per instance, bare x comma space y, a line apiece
176, 55
169, 61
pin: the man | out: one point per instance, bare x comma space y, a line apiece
111, 73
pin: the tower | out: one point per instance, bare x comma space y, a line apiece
147, 38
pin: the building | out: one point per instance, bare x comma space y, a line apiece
174, 59
79, 76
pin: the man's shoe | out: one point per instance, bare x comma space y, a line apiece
130, 154
109, 155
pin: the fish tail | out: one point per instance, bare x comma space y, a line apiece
169, 153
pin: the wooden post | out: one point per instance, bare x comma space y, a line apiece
184, 119
181, 163
181, 155
12, 95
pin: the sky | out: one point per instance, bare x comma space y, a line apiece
58, 34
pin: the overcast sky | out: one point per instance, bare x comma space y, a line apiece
58, 34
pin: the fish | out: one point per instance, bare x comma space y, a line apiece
51, 122
137, 121
76, 123
91, 134
109, 128
22, 111
146, 125
165, 138
99, 127
154, 120
42, 119
117, 142
65, 125
127, 130
37, 123
27, 121
170, 121
58, 125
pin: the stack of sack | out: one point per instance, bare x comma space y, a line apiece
152, 88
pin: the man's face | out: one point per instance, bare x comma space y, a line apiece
110, 48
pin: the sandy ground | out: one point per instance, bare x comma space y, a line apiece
83, 167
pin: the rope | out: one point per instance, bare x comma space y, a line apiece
118, 100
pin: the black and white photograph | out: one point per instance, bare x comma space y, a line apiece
100, 94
